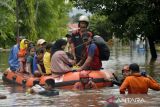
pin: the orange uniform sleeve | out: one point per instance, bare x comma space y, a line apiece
124, 86
151, 79
153, 85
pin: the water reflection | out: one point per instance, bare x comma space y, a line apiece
3, 60
120, 56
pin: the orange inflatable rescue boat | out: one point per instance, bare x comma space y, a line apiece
66, 81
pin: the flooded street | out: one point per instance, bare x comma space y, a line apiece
17, 97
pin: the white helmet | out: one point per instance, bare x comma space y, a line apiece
40, 41
83, 18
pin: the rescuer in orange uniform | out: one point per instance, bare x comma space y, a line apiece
85, 82
136, 83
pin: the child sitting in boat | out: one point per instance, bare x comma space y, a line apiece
85, 82
47, 59
38, 66
47, 90
29, 62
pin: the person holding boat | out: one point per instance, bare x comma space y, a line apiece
47, 90
85, 82
77, 41
119, 80
137, 83
60, 62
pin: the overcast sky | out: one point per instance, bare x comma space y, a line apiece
75, 11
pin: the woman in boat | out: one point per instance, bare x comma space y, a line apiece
60, 62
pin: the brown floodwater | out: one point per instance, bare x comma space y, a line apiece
17, 97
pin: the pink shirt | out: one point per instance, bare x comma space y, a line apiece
60, 62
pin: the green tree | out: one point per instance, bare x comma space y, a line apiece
100, 25
52, 18
26, 18
128, 17
75, 18
7, 22
34, 19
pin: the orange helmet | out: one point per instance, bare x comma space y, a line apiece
83, 74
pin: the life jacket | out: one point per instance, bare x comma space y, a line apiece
78, 43
96, 63
22, 52
104, 51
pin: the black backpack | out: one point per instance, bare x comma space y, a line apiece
103, 47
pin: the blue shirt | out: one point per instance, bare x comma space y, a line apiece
35, 67
91, 49
13, 58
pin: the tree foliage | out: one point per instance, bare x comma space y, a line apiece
52, 17
7, 21
35, 19
26, 18
100, 25
75, 18
129, 18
